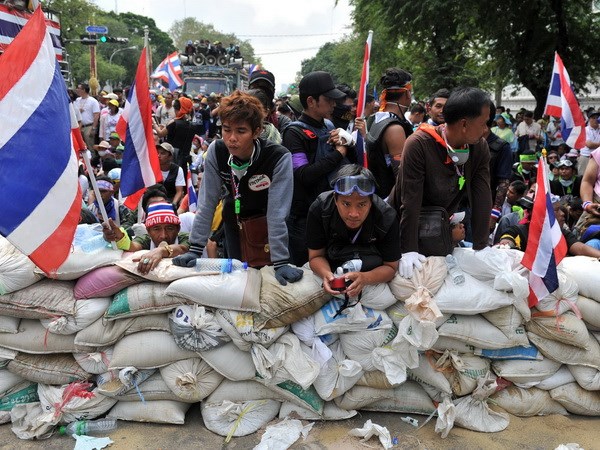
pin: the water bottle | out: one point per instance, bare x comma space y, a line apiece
94, 244
222, 265
458, 277
354, 265
86, 427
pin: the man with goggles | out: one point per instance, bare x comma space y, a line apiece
350, 223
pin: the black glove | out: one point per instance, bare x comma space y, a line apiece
189, 259
287, 273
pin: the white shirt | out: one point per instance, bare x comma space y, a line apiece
179, 181
591, 134
535, 129
87, 107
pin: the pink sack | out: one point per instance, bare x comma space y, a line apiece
104, 282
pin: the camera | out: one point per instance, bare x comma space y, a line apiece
339, 284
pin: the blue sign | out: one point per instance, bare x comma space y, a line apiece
98, 29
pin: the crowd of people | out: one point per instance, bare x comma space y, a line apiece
282, 181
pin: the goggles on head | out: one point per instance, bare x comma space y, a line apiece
355, 183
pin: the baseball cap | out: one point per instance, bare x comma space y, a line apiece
262, 75
167, 147
114, 102
114, 135
319, 83
457, 218
111, 96
593, 112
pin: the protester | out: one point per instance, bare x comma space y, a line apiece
264, 81
435, 107
502, 128
166, 113
389, 130
567, 183
592, 140
110, 120
118, 213
530, 131
172, 174
163, 238
525, 169
440, 166
350, 223
317, 153
89, 108
590, 194
258, 177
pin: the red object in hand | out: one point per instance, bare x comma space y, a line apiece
338, 284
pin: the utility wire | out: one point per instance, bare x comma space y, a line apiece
286, 35
287, 51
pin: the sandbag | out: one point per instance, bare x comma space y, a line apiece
284, 360
231, 362
577, 400
427, 373
421, 334
158, 411
147, 350
95, 362
141, 299
560, 377
104, 282
562, 299
304, 329
566, 328
376, 379
377, 296
152, 389
523, 372
238, 418
510, 322
585, 271
34, 338
89, 252
407, 398
471, 297
475, 331
243, 391
589, 310
487, 263
527, 402
16, 269
332, 319
358, 346
27, 421
462, 371
86, 312
9, 324
116, 383
330, 412
191, 380
103, 333
568, 354
8, 380
337, 375
59, 405
196, 328
239, 326
473, 412
446, 343
164, 272
587, 377
284, 305
430, 277
44, 299
48, 369
239, 291
21, 393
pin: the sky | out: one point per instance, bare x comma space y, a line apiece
305, 25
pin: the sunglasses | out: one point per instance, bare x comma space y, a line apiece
354, 183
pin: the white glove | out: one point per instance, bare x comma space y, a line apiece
139, 229
345, 137
408, 261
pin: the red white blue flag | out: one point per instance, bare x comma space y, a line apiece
140, 167
191, 191
562, 103
40, 197
175, 80
161, 70
362, 95
546, 245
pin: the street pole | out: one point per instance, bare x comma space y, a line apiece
93, 64
147, 47
133, 47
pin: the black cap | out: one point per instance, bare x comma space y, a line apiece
262, 75
319, 83
592, 112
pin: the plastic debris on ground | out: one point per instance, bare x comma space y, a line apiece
371, 429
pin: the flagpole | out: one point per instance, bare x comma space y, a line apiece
90, 169
364, 79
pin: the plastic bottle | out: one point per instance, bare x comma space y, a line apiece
86, 427
222, 265
458, 277
94, 244
354, 265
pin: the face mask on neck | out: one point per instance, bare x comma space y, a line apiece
566, 183
459, 157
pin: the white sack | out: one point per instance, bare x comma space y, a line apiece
86, 312
354, 318
195, 328
191, 379
238, 418
16, 269
337, 375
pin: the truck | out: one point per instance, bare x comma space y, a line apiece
206, 79
14, 14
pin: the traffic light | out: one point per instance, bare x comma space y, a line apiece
103, 38
88, 39
115, 40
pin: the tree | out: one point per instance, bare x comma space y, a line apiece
342, 59
189, 29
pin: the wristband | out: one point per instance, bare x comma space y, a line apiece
586, 204
496, 213
125, 242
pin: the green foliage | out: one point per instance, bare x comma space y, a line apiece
190, 29
342, 59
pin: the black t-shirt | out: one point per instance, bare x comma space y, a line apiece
180, 134
519, 234
375, 243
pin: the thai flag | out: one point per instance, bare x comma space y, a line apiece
546, 245
175, 80
140, 167
562, 103
40, 196
362, 95
191, 190
162, 69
